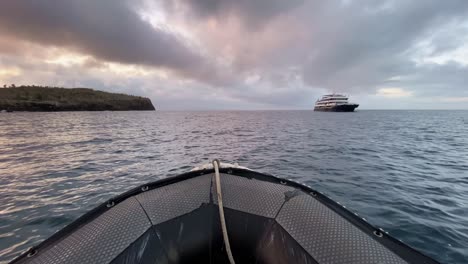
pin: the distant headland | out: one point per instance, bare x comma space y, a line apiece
49, 99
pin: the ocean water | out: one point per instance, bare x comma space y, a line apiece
404, 171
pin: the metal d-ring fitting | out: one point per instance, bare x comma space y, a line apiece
32, 253
378, 233
110, 204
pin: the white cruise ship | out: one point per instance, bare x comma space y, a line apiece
334, 103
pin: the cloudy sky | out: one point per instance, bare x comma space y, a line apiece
243, 54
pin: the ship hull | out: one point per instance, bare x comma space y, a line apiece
337, 108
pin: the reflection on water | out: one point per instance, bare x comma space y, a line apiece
405, 171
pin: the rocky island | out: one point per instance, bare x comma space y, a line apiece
48, 99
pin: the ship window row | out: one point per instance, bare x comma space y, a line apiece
330, 104
324, 102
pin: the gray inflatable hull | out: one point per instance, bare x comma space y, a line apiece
176, 220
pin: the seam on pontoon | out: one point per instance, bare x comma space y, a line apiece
152, 227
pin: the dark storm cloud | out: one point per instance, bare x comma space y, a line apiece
252, 13
369, 46
106, 30
349, 46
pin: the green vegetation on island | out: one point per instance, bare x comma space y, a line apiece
40, 98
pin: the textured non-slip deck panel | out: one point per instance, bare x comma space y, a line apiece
251, 195
102, 239
176, 199
328, 237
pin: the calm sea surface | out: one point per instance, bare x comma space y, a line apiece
405, 171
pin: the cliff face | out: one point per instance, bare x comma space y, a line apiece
34, 98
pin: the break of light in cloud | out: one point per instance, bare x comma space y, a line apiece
393, 92
7, 73
244, 54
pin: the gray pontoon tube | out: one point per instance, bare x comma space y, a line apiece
176, 220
